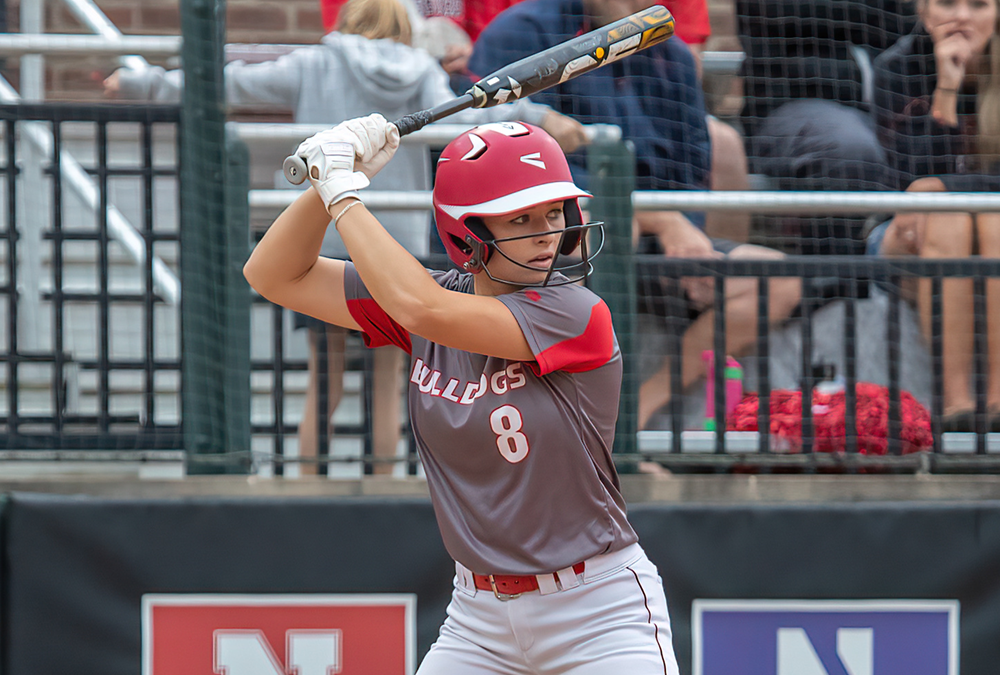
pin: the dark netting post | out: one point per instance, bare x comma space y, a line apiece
611, 165
238, 298
212, 331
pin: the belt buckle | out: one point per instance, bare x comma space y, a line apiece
501, 596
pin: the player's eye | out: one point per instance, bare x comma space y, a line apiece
554, 214
521, 219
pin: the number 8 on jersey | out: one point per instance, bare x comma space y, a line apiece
506, 424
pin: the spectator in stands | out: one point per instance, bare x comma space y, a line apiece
729, 158
655, 97
938, 112
445, 29
369, 56
693, 27
805, 114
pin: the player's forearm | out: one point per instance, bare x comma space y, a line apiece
290, 247
397, 280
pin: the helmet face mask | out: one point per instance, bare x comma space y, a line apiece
571, 269
532, 170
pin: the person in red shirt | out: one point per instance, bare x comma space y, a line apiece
693, 26
471, 16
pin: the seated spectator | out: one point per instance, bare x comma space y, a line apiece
365, 66
655, 97
729, 159
806, 107
937, 95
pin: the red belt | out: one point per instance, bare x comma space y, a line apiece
512, 585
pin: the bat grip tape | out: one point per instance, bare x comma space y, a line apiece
407, 124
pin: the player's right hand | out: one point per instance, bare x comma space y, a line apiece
379, 140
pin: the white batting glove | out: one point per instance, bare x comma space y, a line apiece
329, 158
340, 161
379, 139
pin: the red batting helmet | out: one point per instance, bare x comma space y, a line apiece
502, 168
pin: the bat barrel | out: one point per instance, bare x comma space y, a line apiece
574, 57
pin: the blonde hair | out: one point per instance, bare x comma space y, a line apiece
375, 20
988, 103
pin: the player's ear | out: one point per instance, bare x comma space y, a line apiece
571, 216
477, 226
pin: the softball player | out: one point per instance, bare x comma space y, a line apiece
513, 393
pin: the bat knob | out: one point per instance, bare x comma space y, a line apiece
294, 169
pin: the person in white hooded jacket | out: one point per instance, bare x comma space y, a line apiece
366, 65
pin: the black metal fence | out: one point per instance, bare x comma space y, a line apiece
847, 279
138, 424
147, 413
277, 427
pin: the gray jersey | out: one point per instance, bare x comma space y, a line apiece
517, 454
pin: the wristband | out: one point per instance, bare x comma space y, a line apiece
347, 208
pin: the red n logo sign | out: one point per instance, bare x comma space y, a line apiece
278, 634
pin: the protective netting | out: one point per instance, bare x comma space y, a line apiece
103, 360
808, 118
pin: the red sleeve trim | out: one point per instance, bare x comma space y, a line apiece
378, 328
587, 351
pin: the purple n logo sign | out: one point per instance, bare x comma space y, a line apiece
825, 637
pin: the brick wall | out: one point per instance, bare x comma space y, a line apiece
281, 21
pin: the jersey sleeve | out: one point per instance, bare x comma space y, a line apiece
379, 329
568, 328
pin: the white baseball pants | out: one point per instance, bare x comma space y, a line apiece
612, 619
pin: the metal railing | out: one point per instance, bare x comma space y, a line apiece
63, 45
32, 82
817, 203
109, 42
